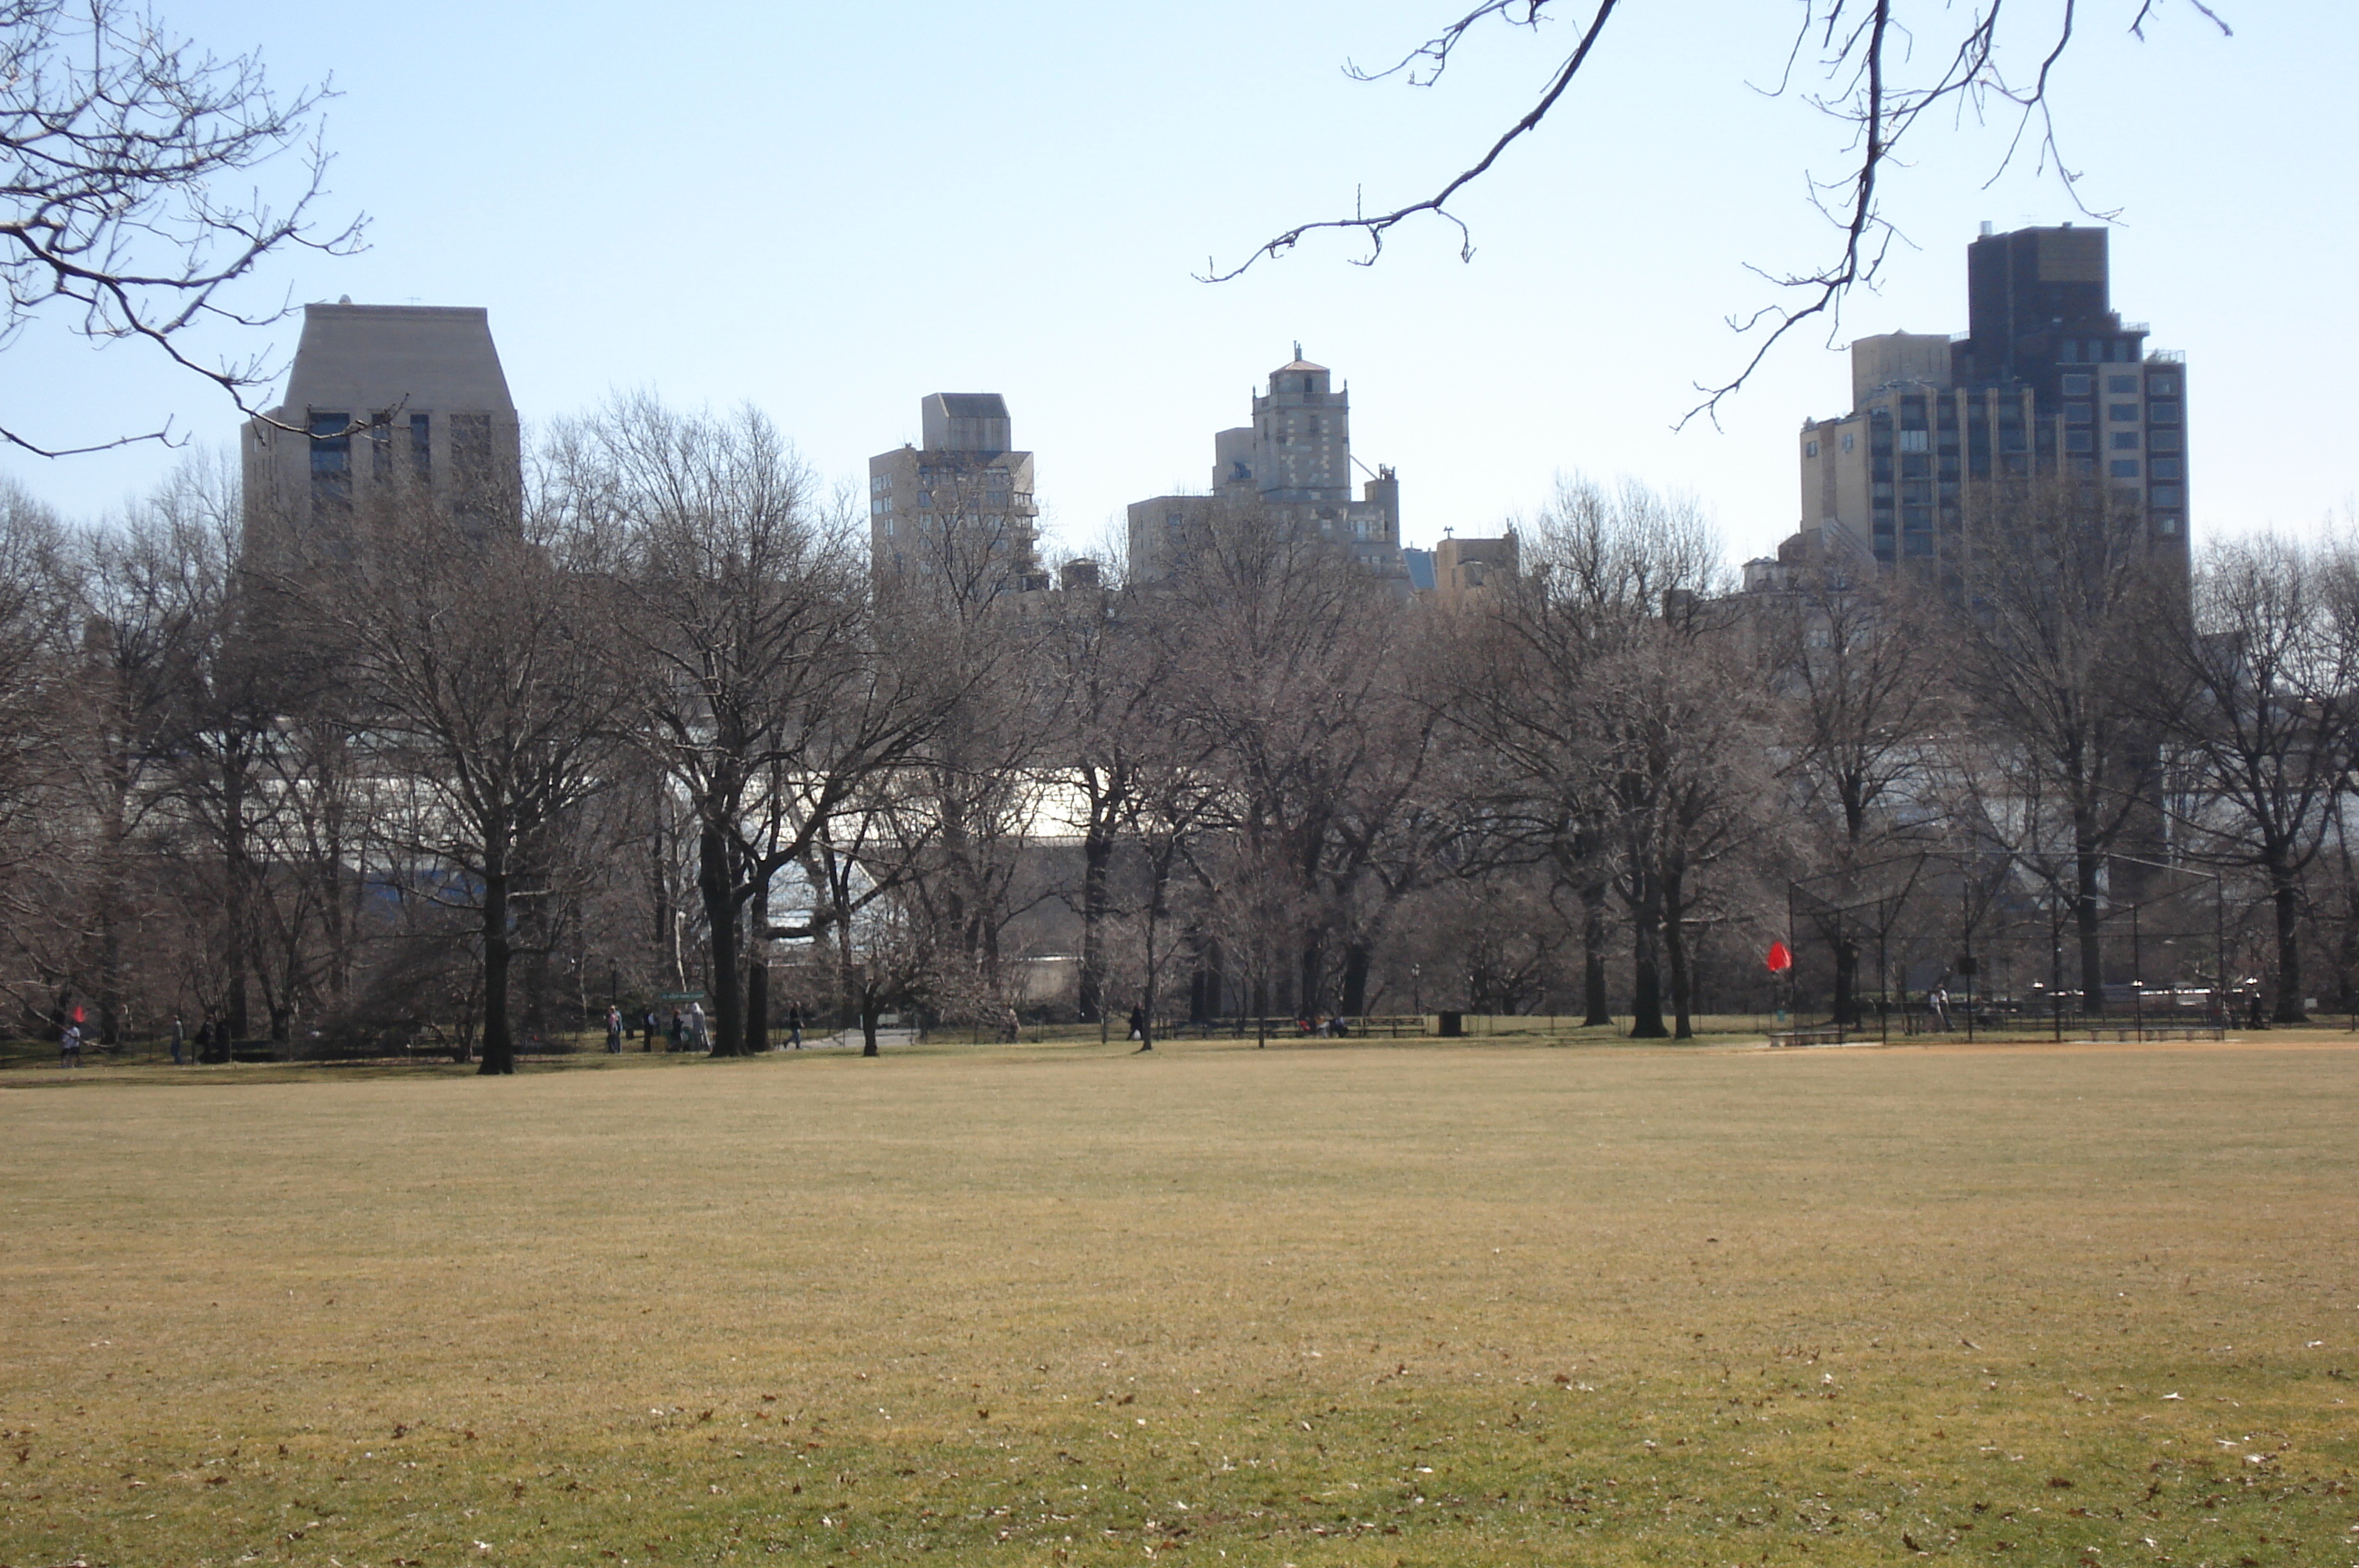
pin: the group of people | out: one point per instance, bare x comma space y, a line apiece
689, 1030
209, 1036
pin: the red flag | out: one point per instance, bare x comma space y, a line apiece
1780, 960
77, 1015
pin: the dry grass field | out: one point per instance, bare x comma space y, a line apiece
1347, 1304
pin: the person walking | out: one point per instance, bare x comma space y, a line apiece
613, 1031
179, 1040
794, 1026
1138, 1028
648, 1031
69, 1046
678, 1029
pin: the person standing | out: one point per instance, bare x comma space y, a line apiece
179, 1040
794, 1026
613, 1031
678, 1028
1138, 1026
69, 1046
648, 1030
696, 1030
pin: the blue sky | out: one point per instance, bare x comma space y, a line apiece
829, 211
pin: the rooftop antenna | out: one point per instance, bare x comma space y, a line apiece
1298, 348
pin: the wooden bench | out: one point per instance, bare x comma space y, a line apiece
1825, 1034
2157, 1031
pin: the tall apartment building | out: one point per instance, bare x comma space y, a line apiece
1293, 464
957, 511
385, 401
2048, 380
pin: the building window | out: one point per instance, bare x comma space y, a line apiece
2070, 351
421, 445
2168, 495
380, 440
2125, 468
1915, 440
2162, 441
331, 458
2077, 386
2078, 440
2162, 385
2078, 413
2121, 413
2167, 524
2121, 386
1809, 449
1846, 441
2163, 413
2126, 441
2165, 468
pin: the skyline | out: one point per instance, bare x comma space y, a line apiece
1018, 204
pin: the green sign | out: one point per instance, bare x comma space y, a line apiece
680, 996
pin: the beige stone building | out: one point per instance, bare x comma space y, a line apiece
384, 399
956, 514
1470, 573
1293, 464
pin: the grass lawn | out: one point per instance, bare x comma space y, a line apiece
1350, 1303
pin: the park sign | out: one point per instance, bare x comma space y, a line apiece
679, 996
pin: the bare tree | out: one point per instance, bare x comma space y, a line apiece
1285, 652
2049, 649
1884, 68
1856, 679
41, 840
472, 668
1626, 718
2261, 693
1114, 675
742, 631
124, 211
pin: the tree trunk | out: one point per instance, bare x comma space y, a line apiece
715, 882
499, 1046
1675, 951
1097, 861
1595, 1007
2287, 896
2085, 914
1356, 962
1647, 991
757, 967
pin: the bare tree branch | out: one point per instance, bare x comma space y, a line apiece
1859, 43
116, 142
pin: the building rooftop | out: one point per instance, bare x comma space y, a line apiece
355, 357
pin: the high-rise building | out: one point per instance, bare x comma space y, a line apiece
1293, 464
383, 401
958, 511
2048, 380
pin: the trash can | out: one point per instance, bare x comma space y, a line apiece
1453, 1026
